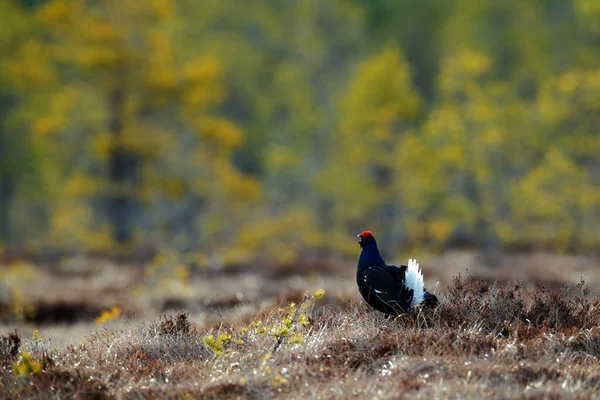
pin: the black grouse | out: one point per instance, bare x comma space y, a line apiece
390, 289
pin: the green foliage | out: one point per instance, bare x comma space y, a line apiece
26, 366
35, 362
378, 109
271, 129
15, 301
287, 323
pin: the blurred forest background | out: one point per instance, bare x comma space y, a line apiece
277, 128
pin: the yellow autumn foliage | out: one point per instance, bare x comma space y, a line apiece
108, 315
254, 129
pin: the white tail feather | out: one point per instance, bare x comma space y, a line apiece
413, 279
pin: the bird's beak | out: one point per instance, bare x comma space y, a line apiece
360, 239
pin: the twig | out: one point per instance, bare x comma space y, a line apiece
234, 333
281, 337
218, 312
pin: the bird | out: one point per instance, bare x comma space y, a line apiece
387, 288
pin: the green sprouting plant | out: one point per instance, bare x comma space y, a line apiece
288, 327
278, 381
39, 349
217, 344
259, 327
293, 321
296, 338
213, 344
27, 365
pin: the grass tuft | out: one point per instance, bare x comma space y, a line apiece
484, 340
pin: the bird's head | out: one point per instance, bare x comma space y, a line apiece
365, 238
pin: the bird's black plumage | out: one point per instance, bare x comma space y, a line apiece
382, 285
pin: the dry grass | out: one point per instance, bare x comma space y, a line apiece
484, 340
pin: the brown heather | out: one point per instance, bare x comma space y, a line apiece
484, 340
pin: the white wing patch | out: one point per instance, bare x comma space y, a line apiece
413, 279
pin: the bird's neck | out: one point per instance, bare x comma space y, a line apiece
369, 256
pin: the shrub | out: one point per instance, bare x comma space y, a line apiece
9, 348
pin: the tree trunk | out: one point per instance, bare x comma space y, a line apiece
6, 174
121, 174
6, 193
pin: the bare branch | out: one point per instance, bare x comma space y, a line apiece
282, 337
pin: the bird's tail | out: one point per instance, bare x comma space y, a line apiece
413, 279
430, 299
